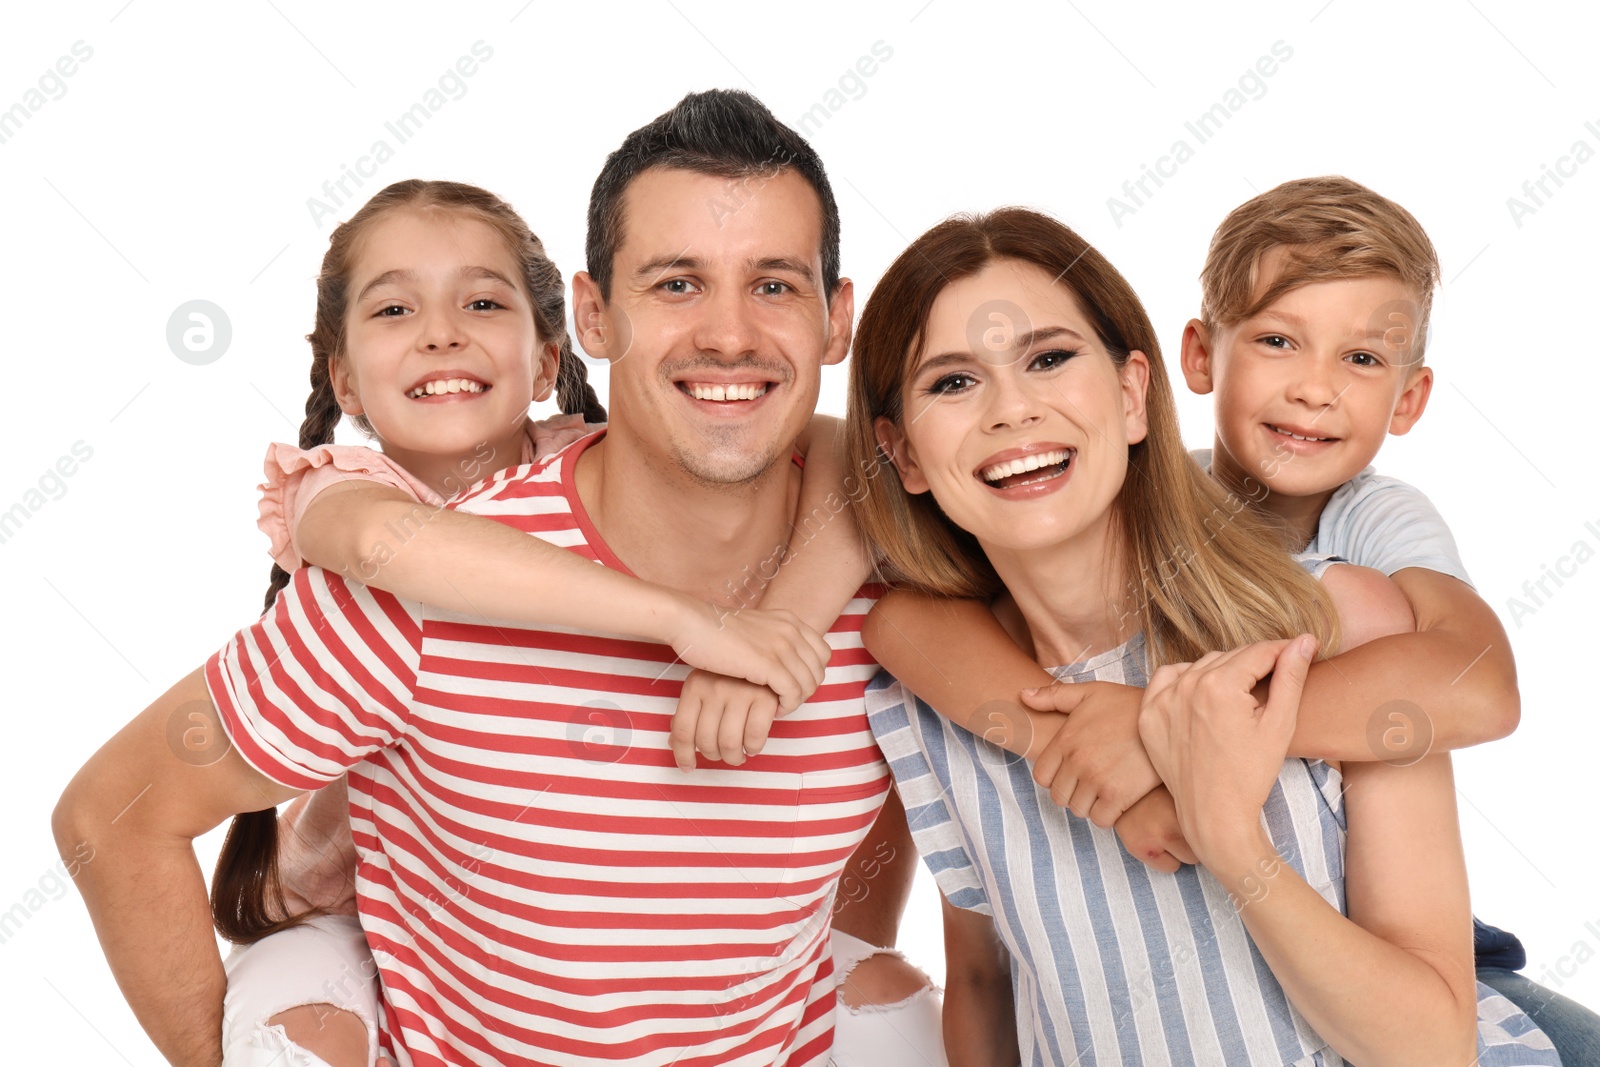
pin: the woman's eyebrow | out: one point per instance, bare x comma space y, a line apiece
1022, 342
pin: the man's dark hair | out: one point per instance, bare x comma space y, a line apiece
725, 132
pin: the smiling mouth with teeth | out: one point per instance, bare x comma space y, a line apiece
446, 385
1296, 436
1026, 470
724, 393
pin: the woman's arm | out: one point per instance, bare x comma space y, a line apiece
1393, 982
980, 1017
138, 804
382, 537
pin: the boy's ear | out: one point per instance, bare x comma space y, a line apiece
893, 444
546, 370
1135, 387
1196, 359
344, 390
1413, 400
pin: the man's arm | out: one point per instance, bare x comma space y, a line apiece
141, 800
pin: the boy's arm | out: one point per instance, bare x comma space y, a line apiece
1082, 739
137, 805
382, 537
1452, 683
980, 1017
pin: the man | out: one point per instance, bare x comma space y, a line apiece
529, 895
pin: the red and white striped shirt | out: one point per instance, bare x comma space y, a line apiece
538, 882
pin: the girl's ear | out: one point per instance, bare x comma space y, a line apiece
897, 449
546, 370
1135, 374
344, 386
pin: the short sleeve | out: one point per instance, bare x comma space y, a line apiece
294, 477
1384, 523
320, 681
915, 742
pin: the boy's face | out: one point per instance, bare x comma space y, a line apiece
1308, 388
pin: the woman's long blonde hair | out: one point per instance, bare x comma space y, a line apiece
1203, 570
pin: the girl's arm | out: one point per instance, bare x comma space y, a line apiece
380, 536
727, 719
980, 1017
128, 821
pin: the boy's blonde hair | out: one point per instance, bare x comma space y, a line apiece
1330, 228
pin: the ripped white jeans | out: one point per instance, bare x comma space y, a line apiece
326, 961
904, 1034
323, 961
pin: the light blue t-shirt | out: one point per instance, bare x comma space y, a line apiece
1377, 521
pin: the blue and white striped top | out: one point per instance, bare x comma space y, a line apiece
1113, 963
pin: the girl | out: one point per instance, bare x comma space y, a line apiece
1014, 381
439, 321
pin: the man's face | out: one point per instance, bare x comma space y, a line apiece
717, 326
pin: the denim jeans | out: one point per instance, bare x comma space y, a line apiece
1572, 1028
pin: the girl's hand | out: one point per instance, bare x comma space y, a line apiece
721, 718
1215, 746
769, 648
1095, 765
557, 432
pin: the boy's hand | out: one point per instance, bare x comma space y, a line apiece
721, 718
1095, 765
769, 648
1150, 832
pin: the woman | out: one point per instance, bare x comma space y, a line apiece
1014, 381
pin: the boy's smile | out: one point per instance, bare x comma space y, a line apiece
1309, 387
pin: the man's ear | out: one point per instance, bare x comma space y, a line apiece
1135, 374
1413, 400
547, 369
344, 386
597, 329
1196, 360
892, 444
841, 321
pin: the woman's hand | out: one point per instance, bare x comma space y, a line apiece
1218, 749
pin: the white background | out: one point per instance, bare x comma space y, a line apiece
179, 159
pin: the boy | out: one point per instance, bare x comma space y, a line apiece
1312, 336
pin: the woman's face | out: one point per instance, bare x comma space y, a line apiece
1014, 416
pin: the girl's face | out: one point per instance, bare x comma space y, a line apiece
441, 352
1015, 417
